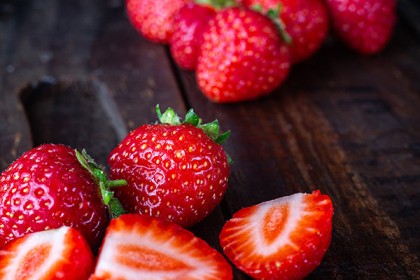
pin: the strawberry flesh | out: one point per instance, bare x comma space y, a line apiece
285, 238
61, 253
143, 247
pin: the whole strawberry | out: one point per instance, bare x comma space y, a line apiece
46, 188
363, 25
242, 57
185, 42
153, 19
305, 21
177, 171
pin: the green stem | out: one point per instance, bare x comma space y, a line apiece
115, 208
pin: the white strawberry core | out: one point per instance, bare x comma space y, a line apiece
53, 238
295, 214
112, 260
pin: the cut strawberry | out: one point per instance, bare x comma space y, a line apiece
142, 247
285, 238
54, 254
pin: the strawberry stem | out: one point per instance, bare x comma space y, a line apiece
274, 15
115, 207
217, 4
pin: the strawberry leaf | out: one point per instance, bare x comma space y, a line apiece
217, 4
192, 118
211, 129
168, 117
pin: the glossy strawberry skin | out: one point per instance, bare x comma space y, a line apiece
185, 42
306, 22
365, 26
153, 19
242, 57
285, 238
173, 171
60, 253
47, 188
152, 248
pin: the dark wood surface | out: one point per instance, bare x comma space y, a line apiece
76, 72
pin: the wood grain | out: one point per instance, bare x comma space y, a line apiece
343, 123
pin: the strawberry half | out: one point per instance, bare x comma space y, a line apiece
142, 247
61, 253
285, 238
175, 170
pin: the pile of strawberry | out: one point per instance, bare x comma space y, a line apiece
62, 218
244, 49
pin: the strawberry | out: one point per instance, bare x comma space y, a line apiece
143, 247
154, 19
242, 57
363, 25
60, 253
178, 171
48, 187
305, 21
185, 42
285, 238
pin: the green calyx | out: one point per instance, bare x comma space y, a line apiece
211, 129
274, 15
217, 4
114, 205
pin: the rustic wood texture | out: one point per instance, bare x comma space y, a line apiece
76, 72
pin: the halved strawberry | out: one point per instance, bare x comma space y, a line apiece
285, 238
139, 247
61, 253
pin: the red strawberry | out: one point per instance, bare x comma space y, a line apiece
242, 57
46, 188
186, 39
285, 238
305, 21
178, 171
154, 19
142, 247
364, 25
54, 254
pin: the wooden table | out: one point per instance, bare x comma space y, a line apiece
76, 72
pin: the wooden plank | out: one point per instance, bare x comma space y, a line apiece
85, 77
346, 124
137, 71
342, 122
